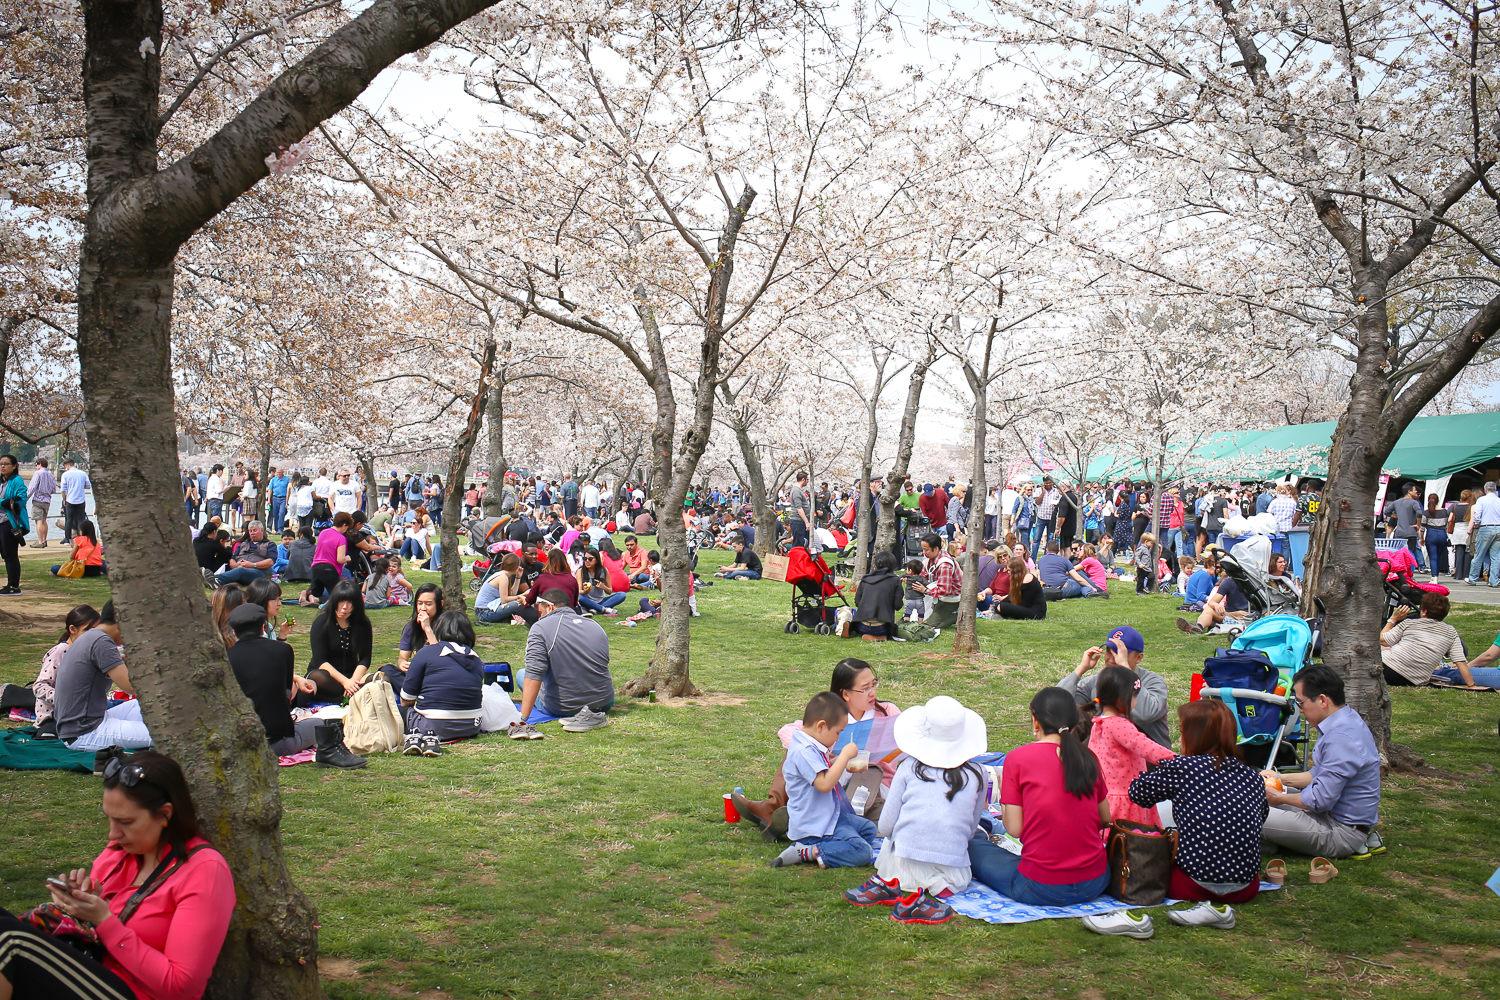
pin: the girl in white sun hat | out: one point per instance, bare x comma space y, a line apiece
931, 811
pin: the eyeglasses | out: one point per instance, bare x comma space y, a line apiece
129, 775
868, 688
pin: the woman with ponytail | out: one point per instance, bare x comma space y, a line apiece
1054, 799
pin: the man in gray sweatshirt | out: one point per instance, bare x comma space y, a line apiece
567, 668
1125, 648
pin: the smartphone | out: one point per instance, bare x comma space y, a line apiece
60, 885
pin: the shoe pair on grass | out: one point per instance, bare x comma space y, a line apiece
920, 907
1123, 923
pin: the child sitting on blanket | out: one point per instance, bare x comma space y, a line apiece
401, 589
931, 812
821, 826
1122, 749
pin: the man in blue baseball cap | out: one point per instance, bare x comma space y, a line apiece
1124, 647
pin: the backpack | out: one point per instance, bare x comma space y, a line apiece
1252, 670
915, 632
372, 724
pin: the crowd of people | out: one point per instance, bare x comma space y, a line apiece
1102, 753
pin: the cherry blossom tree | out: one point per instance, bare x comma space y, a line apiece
1311, 164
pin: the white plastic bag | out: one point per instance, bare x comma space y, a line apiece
497, 711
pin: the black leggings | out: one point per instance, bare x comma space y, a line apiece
38, 965
324, 576
328, 689
1009, 610
10, 551
1393, 679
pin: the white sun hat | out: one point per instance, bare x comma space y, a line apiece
941, 733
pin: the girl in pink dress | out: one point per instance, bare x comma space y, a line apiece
1122, 749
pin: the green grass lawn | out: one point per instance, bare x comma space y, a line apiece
600, 864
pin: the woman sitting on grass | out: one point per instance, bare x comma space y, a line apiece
1054, 800
267, 593
1219, 805
44, 688
168, 949
855, 682
86, 550
878, 602
1026, 599
442, 692
341, 639
595, 592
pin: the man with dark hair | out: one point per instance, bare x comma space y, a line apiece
1331, 810
945, 582
567, 668
1412, 650
799, 513
266, 671
86, 719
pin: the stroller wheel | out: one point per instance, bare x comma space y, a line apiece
474, 585
822, 629
791, 628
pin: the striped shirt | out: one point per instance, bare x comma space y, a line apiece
1418, 646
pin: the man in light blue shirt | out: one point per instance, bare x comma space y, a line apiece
75, 484
278, 485
1331, 810
1484, 537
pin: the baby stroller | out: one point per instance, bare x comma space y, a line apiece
1401, 590
1253, 677
1252, 583
812, 585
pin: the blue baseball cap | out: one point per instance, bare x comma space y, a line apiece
1128, 638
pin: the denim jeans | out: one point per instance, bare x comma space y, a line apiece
214, 508
278, 513
589, 604
742, 574
1174, 540
412, 549
1484, 546
999, 869
241, 575
1437, 551
1483, 676
1072, 588
850, 845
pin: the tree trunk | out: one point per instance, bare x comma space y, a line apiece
375, 490
138, 217
966, 635
494, 418
885, 538
863, 529
262, 512
765, 514
453, 490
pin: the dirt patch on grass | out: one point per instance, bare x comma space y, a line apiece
708, 699
37, 614
1453, 960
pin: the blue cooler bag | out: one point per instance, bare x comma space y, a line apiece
1250, 670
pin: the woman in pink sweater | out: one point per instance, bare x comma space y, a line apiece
1122, 749
159, 899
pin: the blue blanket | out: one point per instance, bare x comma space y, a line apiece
981, 902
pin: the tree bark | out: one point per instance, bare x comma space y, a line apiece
765, 514
262, 512
494, 418
458, 469
885, 537
863, 529
138, 218
966, 634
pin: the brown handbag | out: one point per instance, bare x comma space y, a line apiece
1140, 862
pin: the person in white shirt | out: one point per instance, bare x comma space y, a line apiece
323, 488
345, 495
214, 499
303, 504
590, 496
1484, 537
1008, 498
992, 513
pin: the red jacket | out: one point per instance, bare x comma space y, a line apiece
935, 507
169, 947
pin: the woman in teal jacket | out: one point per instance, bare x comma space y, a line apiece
14, 525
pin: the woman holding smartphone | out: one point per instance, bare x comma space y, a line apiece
159, 898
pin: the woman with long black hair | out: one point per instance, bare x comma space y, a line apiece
341, 640
1054, 800
426, 607
14, 524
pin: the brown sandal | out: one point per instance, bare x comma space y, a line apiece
1322, 871
1276, 872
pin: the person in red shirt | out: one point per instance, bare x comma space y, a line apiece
159, 899
933, 504
1054, 799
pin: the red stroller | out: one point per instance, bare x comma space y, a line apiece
1401, 590
812, 585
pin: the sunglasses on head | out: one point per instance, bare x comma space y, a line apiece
129, 775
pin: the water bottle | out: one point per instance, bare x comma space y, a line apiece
861, 796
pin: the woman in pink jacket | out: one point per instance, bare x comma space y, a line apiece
159, 899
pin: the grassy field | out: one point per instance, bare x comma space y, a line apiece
600, 864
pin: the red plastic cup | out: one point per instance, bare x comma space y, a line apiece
731, 814
1197, 685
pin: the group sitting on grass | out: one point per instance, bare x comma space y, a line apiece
1043, 843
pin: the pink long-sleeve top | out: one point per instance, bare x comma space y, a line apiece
1123, 752
170, 945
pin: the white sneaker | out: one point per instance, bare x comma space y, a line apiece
584, 721
1204, 915
1120, 923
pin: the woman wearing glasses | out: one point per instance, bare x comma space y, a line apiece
158, 900
855, 682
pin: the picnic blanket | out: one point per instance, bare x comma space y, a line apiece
293, 759
980, 902
19, 752
537, 716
